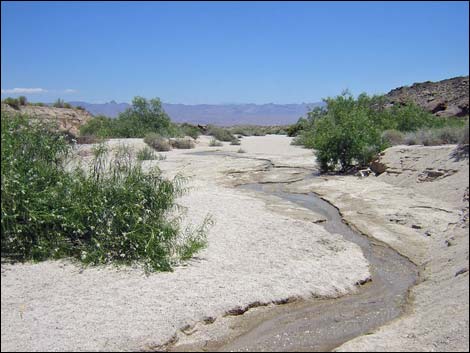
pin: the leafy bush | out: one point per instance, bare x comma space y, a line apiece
12, 102
350, 132
157, 142
346, 133
79, 107
143, 117
100, 126
112, 213
214, 143
189, 130
39, 104
22, 100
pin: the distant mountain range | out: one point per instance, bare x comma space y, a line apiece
217, 114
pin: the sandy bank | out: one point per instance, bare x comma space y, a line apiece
255, 254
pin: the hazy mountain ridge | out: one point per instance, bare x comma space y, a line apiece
219, 114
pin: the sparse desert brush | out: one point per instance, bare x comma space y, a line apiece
157, 142
235, 142
112, 213
464, 139
240, 150
437, 136
393, 137
214, 143
182, 143
146, 154
219, 133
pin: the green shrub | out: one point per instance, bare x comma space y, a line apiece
22, 100
114, 213
59, 103
79, 107
350, 132
182, 143
12, 102
190, 130
39, 104
143, 117
157, 142
100, 126
67, 105
214, 143
346, 133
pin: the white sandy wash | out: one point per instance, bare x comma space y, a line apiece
255, 253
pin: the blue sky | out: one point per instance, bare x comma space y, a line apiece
256, 52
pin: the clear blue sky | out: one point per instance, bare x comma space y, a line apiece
281, 52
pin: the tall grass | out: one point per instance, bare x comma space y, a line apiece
110, 212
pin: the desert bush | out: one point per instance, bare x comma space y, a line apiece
182, 143
79, 107
38, 104
240, 150
464, 139
12, 102
235, 142
100, 126
393, 137
143, 117
219, 133
345, 134
190, 130
214, 143
146, 154
112, 213
22, 100
59, 103
257, 130
157, 142
437, 136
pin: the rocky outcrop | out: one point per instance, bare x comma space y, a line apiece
67, 120
443, 98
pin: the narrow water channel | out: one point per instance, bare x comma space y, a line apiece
323, 324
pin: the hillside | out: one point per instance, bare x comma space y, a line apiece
68, 120
443, 98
